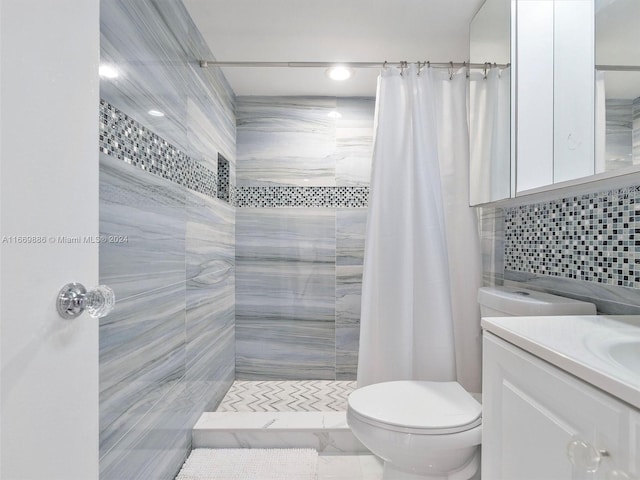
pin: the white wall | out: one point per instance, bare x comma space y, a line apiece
48, 188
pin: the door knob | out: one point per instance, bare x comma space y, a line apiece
73, 299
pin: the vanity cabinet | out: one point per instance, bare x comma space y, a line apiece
541, 423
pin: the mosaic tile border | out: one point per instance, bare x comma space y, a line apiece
279, 197
593, 237
124, 138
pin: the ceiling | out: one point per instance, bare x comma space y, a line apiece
328, 31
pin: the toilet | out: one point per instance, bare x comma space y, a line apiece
433, 430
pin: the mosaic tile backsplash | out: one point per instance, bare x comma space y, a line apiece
593, 237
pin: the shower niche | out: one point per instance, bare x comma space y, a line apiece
223, 178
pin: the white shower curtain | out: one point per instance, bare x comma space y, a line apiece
419, 316
489, 130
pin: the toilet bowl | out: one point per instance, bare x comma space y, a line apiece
433, 430
422, 430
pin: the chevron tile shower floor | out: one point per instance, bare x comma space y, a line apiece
287, 396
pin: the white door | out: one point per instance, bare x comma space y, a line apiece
49, 54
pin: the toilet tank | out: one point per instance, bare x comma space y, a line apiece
518, 302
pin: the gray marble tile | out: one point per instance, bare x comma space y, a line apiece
351, 226
347, 343
348, 298
492, 244
285, 141
348, 294
142, 354
609, 299
618, 149
148, 212
153, 45
356, 112
210, 331
273, 349
210, 235
635, 136
285, 234
354, 141
156, 447
295, 291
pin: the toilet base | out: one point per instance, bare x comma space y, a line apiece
471, 471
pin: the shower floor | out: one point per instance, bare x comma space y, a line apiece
287, 396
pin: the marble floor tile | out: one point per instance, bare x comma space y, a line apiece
326, 432
287, 396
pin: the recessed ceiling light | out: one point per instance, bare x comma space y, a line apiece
339, 73
155, 113
108, 71
334, 114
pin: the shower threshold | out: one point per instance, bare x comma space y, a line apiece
281, 414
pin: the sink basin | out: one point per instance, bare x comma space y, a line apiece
626, 353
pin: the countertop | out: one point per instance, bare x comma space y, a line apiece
588, 346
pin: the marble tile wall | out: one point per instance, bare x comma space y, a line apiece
303, 180
619, 117
167, 351
623, 133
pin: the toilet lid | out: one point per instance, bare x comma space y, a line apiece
417, 405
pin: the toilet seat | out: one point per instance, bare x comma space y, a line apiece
416, 407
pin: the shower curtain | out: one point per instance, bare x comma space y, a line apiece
422, 268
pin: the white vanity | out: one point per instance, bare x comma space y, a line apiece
561, 398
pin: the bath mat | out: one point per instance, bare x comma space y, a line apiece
250, 464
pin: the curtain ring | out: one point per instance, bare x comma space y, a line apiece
428, 64
419, 67
464, 65
384, 65
450, 70
485, 71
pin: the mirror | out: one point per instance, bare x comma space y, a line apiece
573, 122
617, 85
490, 103
555, 92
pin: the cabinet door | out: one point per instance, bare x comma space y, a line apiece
532, 411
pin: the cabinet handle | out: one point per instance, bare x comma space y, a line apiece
585, 456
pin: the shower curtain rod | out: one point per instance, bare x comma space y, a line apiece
618, 68
215, 63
